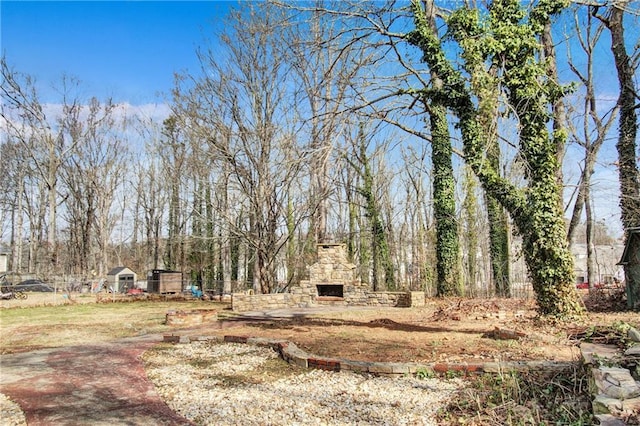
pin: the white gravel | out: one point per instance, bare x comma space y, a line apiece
234, 384
10, 413
237, 384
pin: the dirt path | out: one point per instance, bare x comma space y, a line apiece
92, 384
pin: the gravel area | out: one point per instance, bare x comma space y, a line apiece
10, 413
214, 383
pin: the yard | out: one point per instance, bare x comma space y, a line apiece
448, 330
444, 331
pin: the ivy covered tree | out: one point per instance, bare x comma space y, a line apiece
508, 37
444, 209
628, 170
383, 275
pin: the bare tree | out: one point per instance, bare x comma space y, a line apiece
14, 190
173, 150
148, 188
322, 66
422, 266
240, 108
360, 156
91, 177
629, 173
590, 130
46, 139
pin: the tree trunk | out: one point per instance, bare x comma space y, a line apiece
227, 262
52, 190
499, 246
627, 135
470, 215
381, 257
17, 230
591, 263
629, 174
444, 210
499, 233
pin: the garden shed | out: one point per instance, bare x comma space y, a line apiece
631, 262
121, 278
163, 281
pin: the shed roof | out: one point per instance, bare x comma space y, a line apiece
117, 270
634, 233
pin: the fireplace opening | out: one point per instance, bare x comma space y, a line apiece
330, 290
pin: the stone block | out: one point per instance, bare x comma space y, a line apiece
293, 355
381, 368
609, 420
189, 318
593, 353
263, 341
616, 382
170, 338
603, 404
358, 366
633, 351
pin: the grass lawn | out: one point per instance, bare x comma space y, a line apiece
35, 327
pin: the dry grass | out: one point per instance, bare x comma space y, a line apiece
59, 325
442, 331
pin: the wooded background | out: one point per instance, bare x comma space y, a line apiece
431, 141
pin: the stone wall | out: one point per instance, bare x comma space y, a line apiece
400, 299
615, 380
262, 302
190, 318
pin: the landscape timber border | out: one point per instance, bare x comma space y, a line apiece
291, 353
608, 410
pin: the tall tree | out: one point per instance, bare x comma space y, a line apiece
47, 141
447, 243
91, 178
512, 37
590, 130
240, 107
423, 264
360, 161
485, 83
629, 172
444, 209
173, 152
322, 67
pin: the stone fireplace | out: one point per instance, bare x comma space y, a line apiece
333, 279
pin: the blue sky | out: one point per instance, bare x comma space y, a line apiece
128, 50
